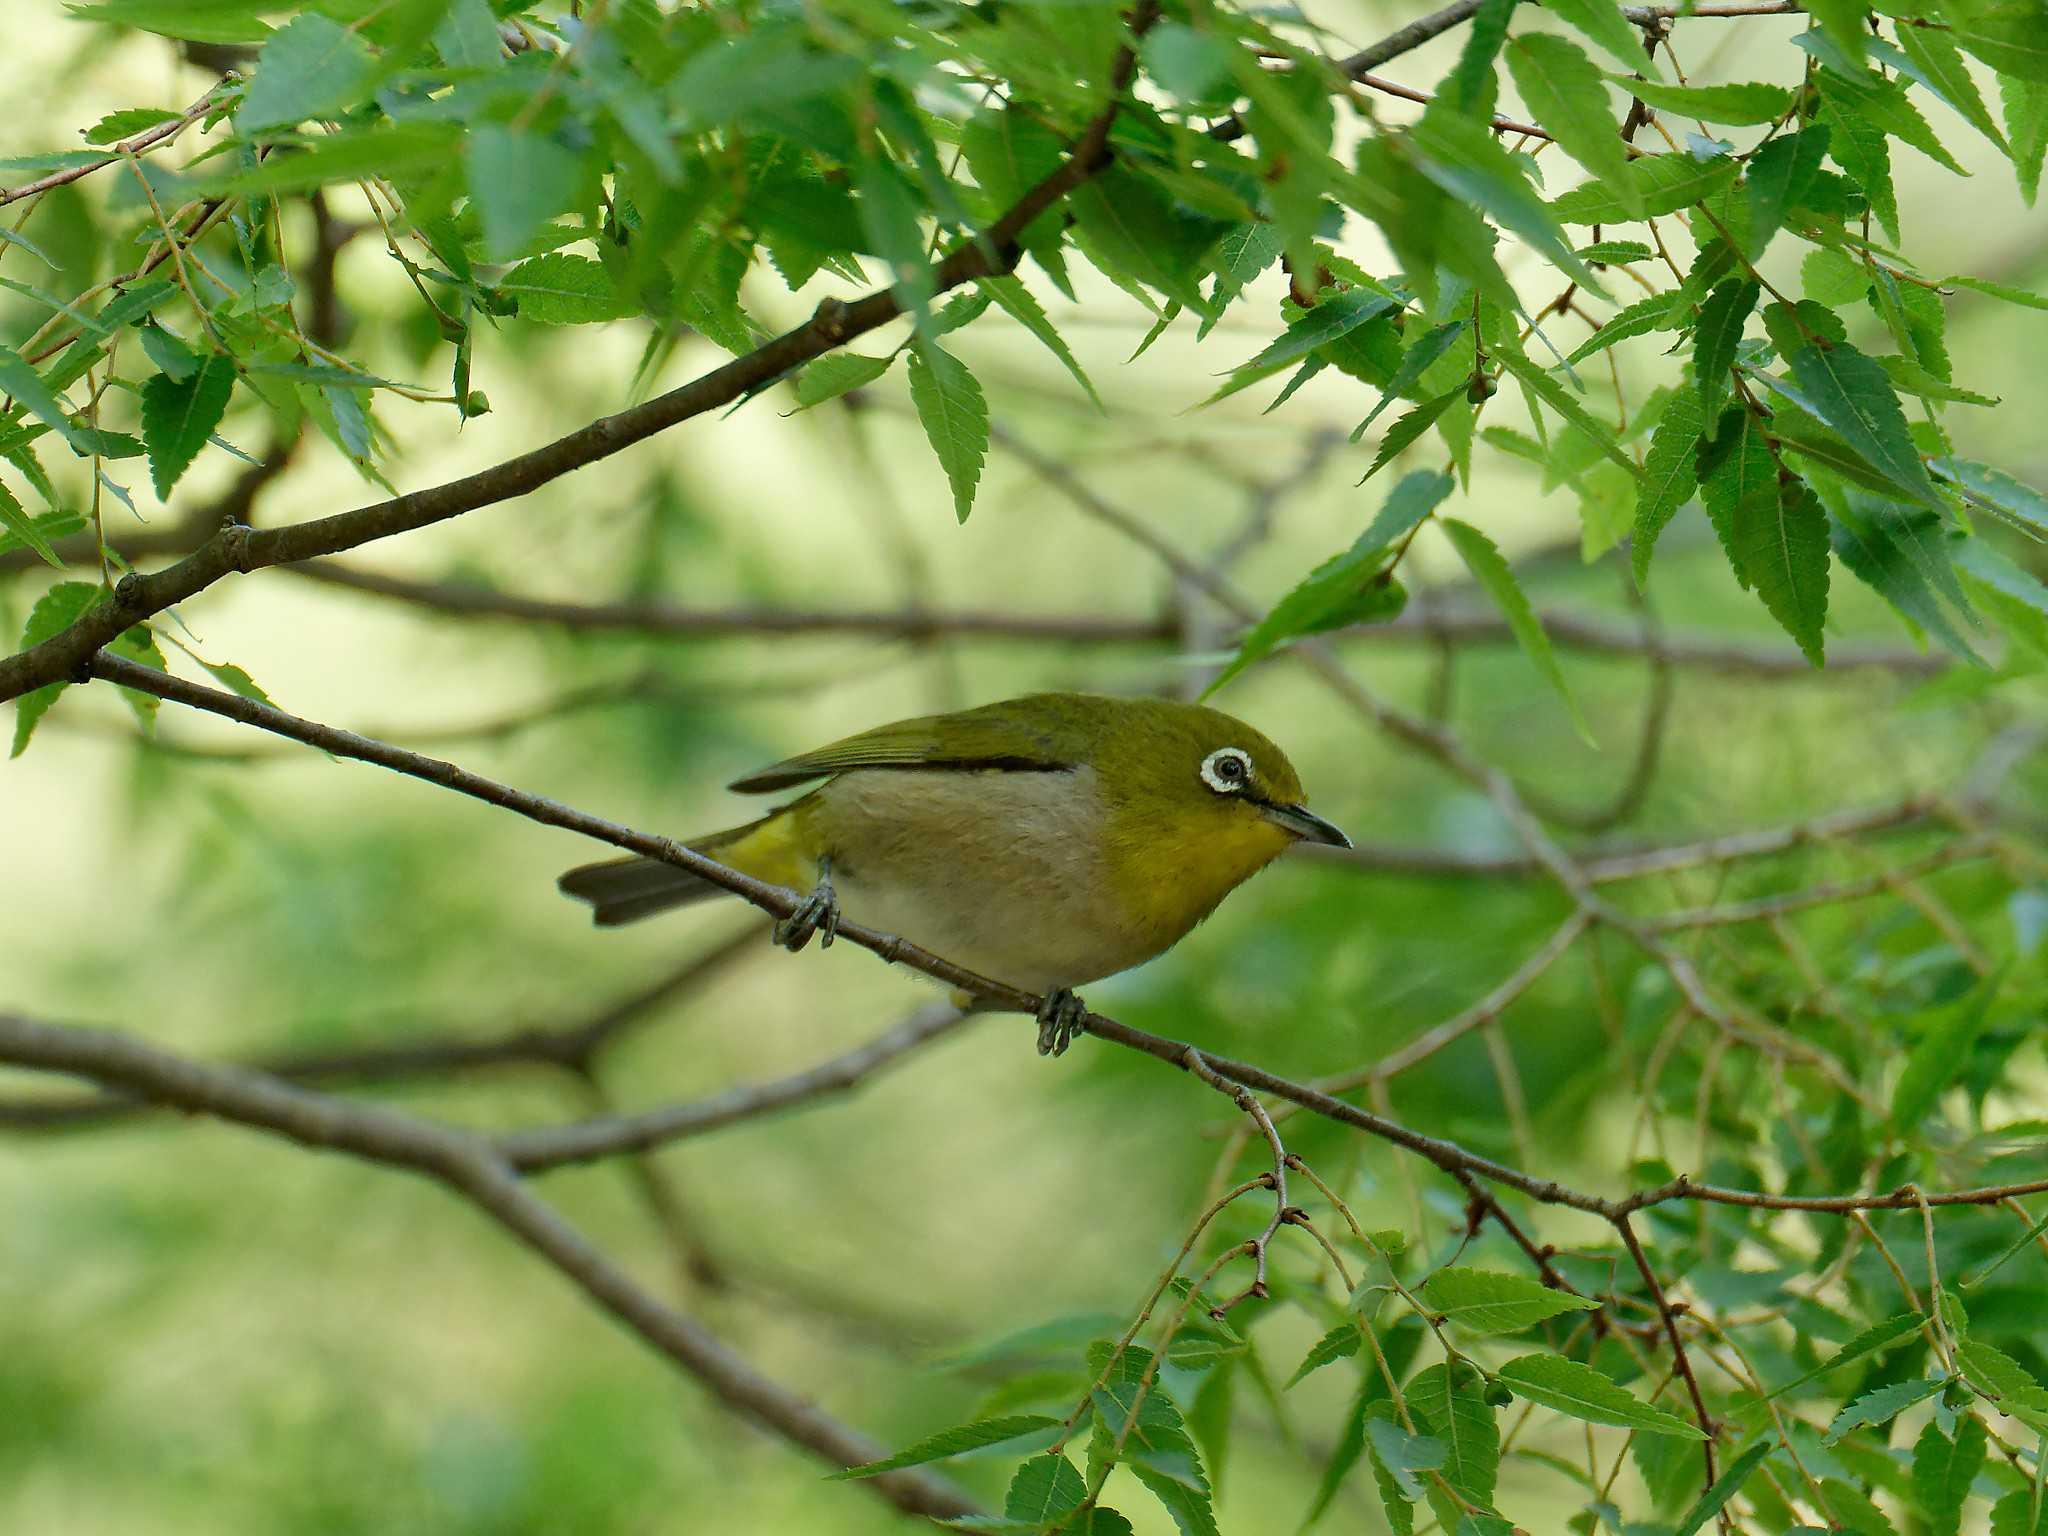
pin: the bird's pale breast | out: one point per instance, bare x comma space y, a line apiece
999, 870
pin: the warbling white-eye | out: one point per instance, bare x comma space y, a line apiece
1045, 841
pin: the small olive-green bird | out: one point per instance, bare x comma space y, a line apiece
1045, 841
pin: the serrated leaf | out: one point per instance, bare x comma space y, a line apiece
2016, 599
1877, 1336
1944, 1469
1885, 106
1853, 394
1657, 184
1833, 278
1045, 1490
1493, 573
2005, 1379
2011, 37
1403, 1454
1605, 25
1335, 316
1567, 94
1582, 1392
1940, 1056
1987, 487
1656, 313
1130, 227
179, 415
560, 289
1463, 158
1488, 1301
1409, 426
1554, 395
55, 611
2023, 297
1725, 1487
949, 403
1415, 362
236, 680
834, 374
519, 180
1616, 252
137, 644
1861, 149
1842, 23
951, 1442
2019, 1513
1670, 476
1190, 1508
310, 67
1340, 1343
1874, 558
1344, 588
1946, 73
1779, 175
1780, 543
2026, 125
1018, 302
1880, 1406
23, 531
1715, 339
1449, 1405
126, 123
1737, 104
19, 378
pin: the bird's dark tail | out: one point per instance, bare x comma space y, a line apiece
626, 890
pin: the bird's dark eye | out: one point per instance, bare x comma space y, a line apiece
1227, 770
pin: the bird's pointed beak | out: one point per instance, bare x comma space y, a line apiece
1306, 824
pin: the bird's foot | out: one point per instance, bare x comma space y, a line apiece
1061, 1017
817, 913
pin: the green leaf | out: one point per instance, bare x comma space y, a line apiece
1885, 106
1867, 546
1738, 104
1780, 544
126, 123
1725, 1487
2006, 291
203, 21
2026, 122
1947, 73
1018, 302
2011, 37
1940, 1056
1853, 394
951, 1442
1715, 338
23, 531
1045, 1491
1463, 158
137, 644
519, 180
1403, 1454
1604, 24
1779, 175
1190, 1508
560, 289
1488, 1301
310, 67
1415, 362
835, 373
1410, 426
2019, 1513
1833, 278
1984, 486
233, 678
1657, 184
1449, 1405
1470, 87
1332, 317
2016, 599
1582, 1392
1617, 252
889, 221
1492, 571
1566, 93
1861, 149
1347, 586
1670, 476
1130, 227
55, 611
1344, 1456
2005, 1379
179, 415
1554, 395
950, 405
1881, 1405
20, 379
1656, 313
1339, 1343
1944, 1469
1878, 1336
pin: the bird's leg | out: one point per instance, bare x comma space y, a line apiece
1060, 1017
817, 913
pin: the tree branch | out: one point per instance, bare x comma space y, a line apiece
467, 1167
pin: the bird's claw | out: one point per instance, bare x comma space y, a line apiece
817, 913
1060, 1017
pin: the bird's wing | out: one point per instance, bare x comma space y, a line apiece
1030, 735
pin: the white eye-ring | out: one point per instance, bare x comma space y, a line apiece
1227, 770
